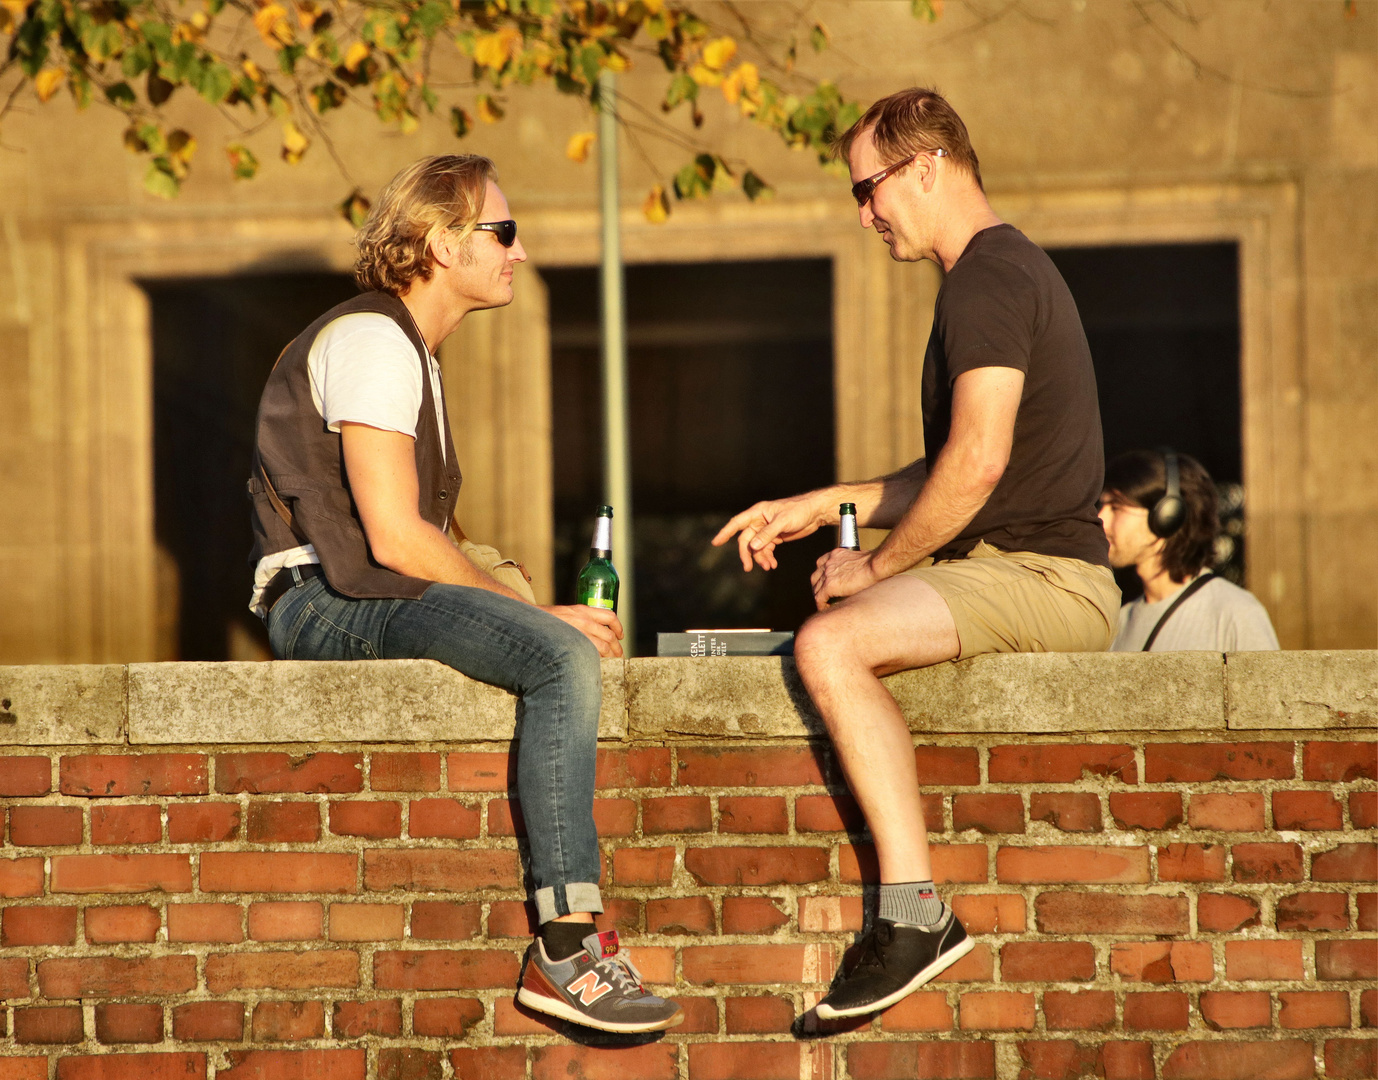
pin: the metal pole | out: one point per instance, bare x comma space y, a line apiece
617, 481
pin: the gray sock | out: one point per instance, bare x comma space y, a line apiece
911, 903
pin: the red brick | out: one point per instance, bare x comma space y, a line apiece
655, 962
23, 1068
1079, 1010
313, 970
752, 814
1061, 1059
948, 766
828, 813
646, 767
288, 1021
1146, 809
996, 1010
1222, 913
762, 1015
700, 1016
25, 777
489, 1063
24, 877
121, 923
208, 1021
926, 1010
1223, 1010
38, 926
1356, 959
444, 920
830, 914
1156, 1012
677, 814
1367, 904
1047, 961
1235, 1060
751, 915
218, 923
513, 918
1347, 862
1368, 1008
709, 965
1313, 911
110, 976
117, 775
367, 922
372, 819
1301, 1010
410, 1063
951, 863
1163, 961
284, 823
1191, 862
1255, 863
1052, 864
278, 872
440, 870
1061, 764
293, 1065
1072, 811
286, 920
1263, 960
990, 913
757, 1061
757, 766
404, 772
614, 817
680, 915
179, 1066
1363, 809
749, 865
121, 873
1351, 1059
124, 1022
643, 866
14, 978
1340, 762
988, 813
505, 818
933, 1060
45, 826
1227, 812
481, 771
272, 773
1101, 913
126, 825
1203, 762
1307, 810
202, 822
446, 1017
653, 1061
448, 819
444, 969
510, 1018
48, 1025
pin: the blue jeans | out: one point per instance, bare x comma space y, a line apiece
549, 664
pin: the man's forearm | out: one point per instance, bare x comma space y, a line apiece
423, 551
945, 505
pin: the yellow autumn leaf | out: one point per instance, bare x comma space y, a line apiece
653, 6
705, 76
577, 149
271, 23
6, 20
489, 111
252, 70
355, 55
294, 143
494, 50
47, 81
744, 83
616, 62
657, 206
718, 54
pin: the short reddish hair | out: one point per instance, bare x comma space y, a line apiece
910, 121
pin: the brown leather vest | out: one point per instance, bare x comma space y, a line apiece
305, 462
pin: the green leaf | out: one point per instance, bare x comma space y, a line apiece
288, 56
243, 164
102, 40
158, 88
159, 37
136, 60
461, 123
355, 208
31, 46
431, 16
121, 95
755, 187
681, 88
160, 181
819, 37
326, 96
924, 9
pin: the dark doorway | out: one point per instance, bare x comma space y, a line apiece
1162, 321
214, 342
731, 388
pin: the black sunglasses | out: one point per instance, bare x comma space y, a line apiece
505, 231
862, 190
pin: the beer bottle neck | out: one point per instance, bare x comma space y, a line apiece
602, 538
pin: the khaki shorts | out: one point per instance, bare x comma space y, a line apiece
1016, 601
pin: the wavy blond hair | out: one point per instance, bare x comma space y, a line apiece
426, 197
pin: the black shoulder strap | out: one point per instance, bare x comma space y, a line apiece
1182, 597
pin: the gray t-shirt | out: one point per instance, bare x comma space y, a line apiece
1218, 617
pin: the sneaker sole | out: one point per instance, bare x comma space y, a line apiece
553, 1007
941, 964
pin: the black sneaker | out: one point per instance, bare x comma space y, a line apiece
598, 988
895, 961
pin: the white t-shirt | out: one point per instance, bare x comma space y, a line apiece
1218, 617
362, 369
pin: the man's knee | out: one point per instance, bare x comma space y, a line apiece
820, 646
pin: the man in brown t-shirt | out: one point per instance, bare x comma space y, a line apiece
995, 545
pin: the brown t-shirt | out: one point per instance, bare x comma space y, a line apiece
1003, 304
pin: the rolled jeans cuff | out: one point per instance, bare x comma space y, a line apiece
578, 896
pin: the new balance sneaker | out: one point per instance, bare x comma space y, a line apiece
598, 987
895, 961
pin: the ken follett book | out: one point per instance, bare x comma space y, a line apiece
726, 643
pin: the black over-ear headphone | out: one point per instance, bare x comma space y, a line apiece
1170, 512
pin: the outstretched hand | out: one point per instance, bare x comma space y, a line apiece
842, 573
599, 625
769, 523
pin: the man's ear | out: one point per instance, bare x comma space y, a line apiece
444, 248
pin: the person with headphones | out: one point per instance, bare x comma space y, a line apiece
1159, 514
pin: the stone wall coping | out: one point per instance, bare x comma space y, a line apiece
664, 698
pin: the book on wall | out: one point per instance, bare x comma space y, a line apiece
755, 642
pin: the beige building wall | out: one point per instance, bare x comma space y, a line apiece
1096, 122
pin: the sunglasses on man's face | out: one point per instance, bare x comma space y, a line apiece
505, 231
862, 190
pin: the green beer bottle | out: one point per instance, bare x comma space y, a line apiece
846, 527
598, 579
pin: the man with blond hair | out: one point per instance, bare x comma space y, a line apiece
354, 484
994, 545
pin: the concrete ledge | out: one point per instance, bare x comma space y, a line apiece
48, 706
1313, 690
